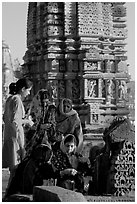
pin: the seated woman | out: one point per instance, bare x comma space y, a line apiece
68, 122
31, 172
70, 164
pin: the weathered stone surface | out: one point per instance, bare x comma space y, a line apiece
56, 194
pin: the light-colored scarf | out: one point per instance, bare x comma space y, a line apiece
62, 115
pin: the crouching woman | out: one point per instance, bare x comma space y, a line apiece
70, 164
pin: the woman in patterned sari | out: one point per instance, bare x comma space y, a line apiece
43, 114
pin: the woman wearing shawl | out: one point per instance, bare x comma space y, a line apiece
68, 122
71, 165
32, 172
43, 114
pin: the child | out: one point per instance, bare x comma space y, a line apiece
70, 165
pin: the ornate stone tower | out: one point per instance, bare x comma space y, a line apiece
78, 48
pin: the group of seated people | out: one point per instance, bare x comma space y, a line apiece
53, 147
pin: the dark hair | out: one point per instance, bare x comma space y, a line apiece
12, 88
23, 83
44, 94
70, 138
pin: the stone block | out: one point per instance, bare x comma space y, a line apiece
56, 194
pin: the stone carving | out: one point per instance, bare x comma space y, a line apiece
119, 29
91, 66
55, 30
94, 107
92, 88
89, 18
111, 87
107, 26
93, 53
70, 65
120, 32
123, 170
122, 90
94, 113
122, 67
118, 11
111, 92
70, 18
55, 65
94, 118
62, 66
75, 89
61, 89
54, 7
103, 87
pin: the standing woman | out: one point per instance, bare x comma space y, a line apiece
12, 90
68, 122
14, 118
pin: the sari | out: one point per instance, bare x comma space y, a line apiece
69, 123
42, 112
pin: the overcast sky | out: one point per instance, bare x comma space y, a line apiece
14, 29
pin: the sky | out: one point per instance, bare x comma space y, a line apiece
14, 30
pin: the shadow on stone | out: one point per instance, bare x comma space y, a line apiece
18, 198
56, 194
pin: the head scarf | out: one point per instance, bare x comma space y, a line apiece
62, 145
42, 152
73, 159
61, 115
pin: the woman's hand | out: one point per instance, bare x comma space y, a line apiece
28, 122
68, 172
73, 172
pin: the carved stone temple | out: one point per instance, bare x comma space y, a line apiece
78, 48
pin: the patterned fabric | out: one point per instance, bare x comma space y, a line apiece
42, 112
60, 161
